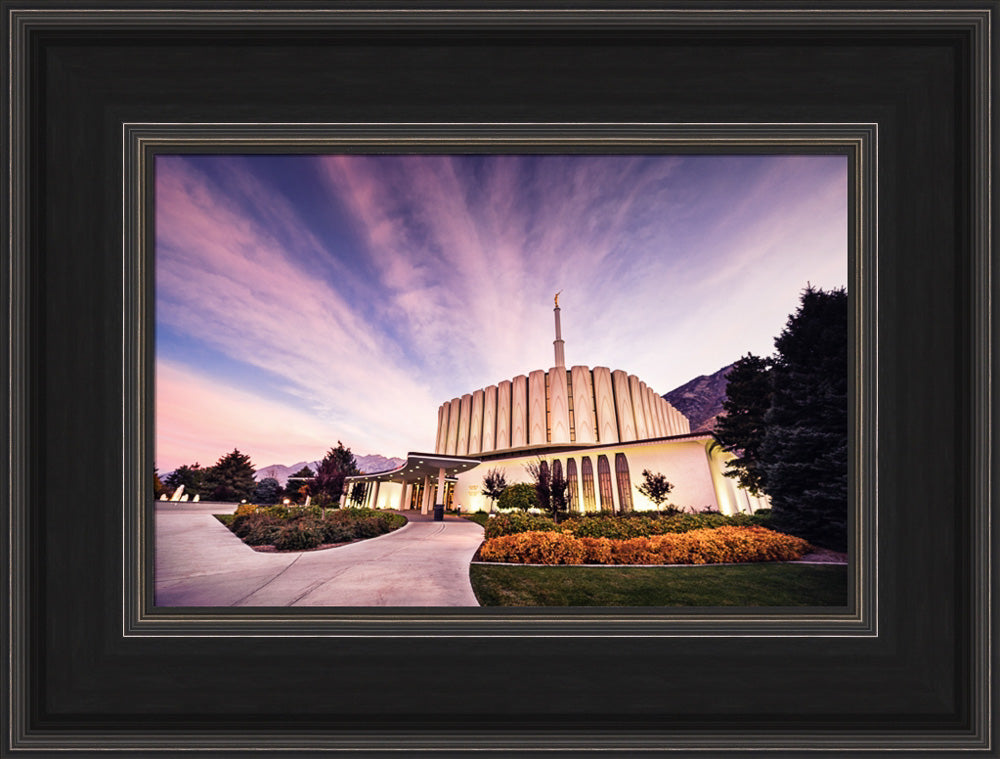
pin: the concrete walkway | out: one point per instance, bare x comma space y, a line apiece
201, 563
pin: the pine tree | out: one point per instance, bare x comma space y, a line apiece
192, 477
298, 485
741, 430
231, 479
803, 452
328, 484
267, 491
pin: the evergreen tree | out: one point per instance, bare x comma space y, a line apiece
741, 430
328, 484
803, 452
159, 488
298, 485
268, 491
231, 479
192, 477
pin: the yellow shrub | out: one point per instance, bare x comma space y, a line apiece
596, 550
720, 545
534, 548
245, 508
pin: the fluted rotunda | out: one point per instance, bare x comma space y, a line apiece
558, 406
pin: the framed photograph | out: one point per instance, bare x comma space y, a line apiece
237, 232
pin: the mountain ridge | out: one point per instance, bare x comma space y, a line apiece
700, 399
367, 464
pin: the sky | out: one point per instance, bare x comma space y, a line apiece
306, 300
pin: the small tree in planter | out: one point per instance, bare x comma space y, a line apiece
494, 483
656, 488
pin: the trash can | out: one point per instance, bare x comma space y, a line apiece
438, 512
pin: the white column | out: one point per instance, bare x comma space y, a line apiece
402, 495
503, 415
623, 406
375, 494
635, 390
558, 405
427, 495
607, 424
536, 408
441, 484
584, 424
489, 419
464, 412
453, 412
476, 424
442, 435
519, 411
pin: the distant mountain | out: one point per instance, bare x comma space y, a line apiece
375, 463
700, 400
367, 464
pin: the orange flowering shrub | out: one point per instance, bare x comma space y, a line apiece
720, 545
596, 550
244, 508
534, 548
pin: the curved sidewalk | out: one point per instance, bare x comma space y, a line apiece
201, 563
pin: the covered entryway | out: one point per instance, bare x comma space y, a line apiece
426, 482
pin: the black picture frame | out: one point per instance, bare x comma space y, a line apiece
87, 673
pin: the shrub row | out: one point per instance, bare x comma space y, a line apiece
622, 527
699, 546
298, 529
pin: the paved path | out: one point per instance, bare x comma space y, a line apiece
201, 563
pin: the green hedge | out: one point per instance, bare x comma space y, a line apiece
621, 527
518, 521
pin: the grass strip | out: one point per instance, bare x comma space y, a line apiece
763, 584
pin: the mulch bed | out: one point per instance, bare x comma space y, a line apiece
320, 547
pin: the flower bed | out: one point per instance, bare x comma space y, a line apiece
303, 528
719, 545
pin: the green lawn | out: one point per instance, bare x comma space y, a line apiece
770, 584
479, 517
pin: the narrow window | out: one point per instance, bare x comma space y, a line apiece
604, 480
587, 474
624, 482
572, 490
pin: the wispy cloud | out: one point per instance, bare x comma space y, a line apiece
399, 282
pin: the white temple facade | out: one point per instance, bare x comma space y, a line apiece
600, 427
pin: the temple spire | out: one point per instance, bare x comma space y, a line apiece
558, 342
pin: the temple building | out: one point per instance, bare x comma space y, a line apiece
600, 427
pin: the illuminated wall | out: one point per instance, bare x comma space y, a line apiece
694, 466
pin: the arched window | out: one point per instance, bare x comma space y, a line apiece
624, 482
573, 489
604, 480
587, 475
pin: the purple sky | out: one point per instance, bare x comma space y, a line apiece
302, 300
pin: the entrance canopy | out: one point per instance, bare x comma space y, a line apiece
418, 466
